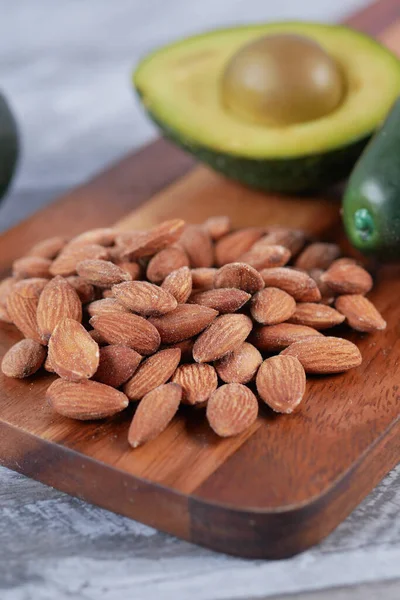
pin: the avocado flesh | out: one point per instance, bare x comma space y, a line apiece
180, 88
8, 145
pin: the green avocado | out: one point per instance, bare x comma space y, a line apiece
8, 145
371, 203
179, 86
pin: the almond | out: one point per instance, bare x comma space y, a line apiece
263, 255
129, 330
150, 242
48, 248
325, 354
198, 246
231, 246
73, 354
97, 337
232, 409
154, 413
4, 314
271, 306
144, 298
31, 266
103, 236
154, 371
224, 335
32, 287
21, 307
66, 262
277, 337
85, 401
186, 348
117, 364
296, 283
85, 290
224, 300
319, 255
327, 296
184, 322
347, 278
58, 301
217, 227
165, 262
203, 279
239, 366
292, 239
48, 366
132, 268
240, 276
6, 286
198, 382
107, 294
314, 315
23, 359
360, 313
281, 383
105, 306
179, 284
101, 273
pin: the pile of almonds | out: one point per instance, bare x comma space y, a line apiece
193, 314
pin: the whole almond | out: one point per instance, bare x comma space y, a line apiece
239, 366
224, 335
327, 295
179, 284
319, 255
232, 409
21, 308
300, 285
198, 382
164, 262
224, 300
347, 278
103, 236
32, 287
73, 354
360, 313
150, 242
281, 383
154, 371
85, 290
144, 298
203, 279
105, 306
231, 246
131, 330
85, 401
132, 268
48, 366
217, 227
263, 255
4, 314
101, 273
271, 306
154, 413
117, 364
325, 354
240, 276
48, 248
292, 239
274, 338
31, 266
314, 315
66, 262
23, 359
184, 322
57, 301
198, 246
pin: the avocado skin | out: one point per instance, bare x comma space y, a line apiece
374, 185
288, 176
9, 145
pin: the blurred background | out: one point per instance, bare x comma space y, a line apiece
65, 67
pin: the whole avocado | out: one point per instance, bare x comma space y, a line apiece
9, 146
371, 203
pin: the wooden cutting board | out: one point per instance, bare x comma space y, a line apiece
271, 492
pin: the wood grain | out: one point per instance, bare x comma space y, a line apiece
271, 492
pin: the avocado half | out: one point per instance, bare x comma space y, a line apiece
179, 86
8, 145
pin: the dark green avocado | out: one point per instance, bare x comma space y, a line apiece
371, 203
8, 145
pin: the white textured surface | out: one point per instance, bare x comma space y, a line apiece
65, 66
